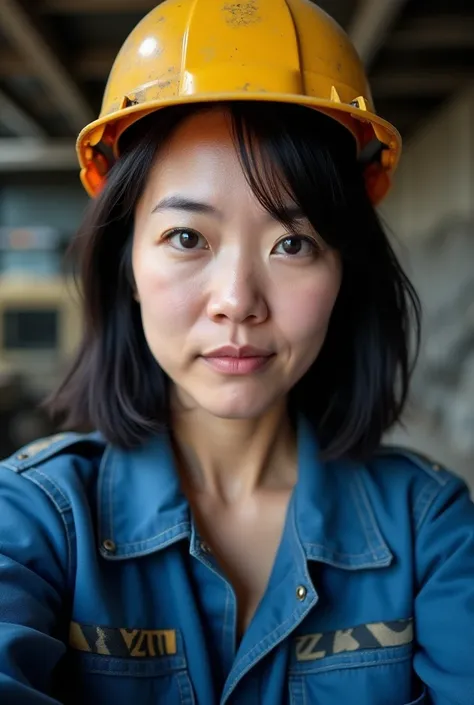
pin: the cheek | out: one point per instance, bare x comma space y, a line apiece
305, 312
168, 299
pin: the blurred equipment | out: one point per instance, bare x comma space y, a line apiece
39, 329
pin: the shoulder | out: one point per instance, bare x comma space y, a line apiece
404, 478
52, 450
44, 488
413, 463
57, 464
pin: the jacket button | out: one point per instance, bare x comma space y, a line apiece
22, 456
205, 548
109, 546
301, 592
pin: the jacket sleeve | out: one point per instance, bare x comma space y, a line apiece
33, 576
444, 606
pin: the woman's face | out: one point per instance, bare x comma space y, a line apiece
214, 270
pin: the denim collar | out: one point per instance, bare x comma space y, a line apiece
142, 508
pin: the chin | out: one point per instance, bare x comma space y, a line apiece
236, 414
237, 406
235, 399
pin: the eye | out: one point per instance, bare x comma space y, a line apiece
186, 239
297, 245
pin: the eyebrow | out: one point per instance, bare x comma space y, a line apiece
180, 203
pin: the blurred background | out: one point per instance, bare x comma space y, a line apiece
55, 56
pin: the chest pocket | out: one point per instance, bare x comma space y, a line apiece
125, 666
370, 663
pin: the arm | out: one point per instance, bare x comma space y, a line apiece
33, 576
444, 606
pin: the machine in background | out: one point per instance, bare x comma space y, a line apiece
40, 327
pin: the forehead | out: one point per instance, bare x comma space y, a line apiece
200, 160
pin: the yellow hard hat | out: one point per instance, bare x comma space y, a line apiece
195, 51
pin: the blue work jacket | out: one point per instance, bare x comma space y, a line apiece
108, 595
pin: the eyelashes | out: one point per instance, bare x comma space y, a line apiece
296, 244
291, 245
185, 239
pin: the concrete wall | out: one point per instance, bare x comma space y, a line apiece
431, 214
435, 180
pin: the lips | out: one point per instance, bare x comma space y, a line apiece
239, 353
230, 360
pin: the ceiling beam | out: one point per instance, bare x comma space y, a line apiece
44, 64
440, 32
413, 84
71, 7
29, 154
17, 120
371, 25
91, 64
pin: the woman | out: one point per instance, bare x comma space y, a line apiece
231, 530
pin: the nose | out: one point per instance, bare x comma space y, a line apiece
237, 291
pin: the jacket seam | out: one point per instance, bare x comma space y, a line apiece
67, 504
434, 496
282, 628
344, 565
110, 498
129, 546
425, 500
61, 513
302, 684
348, 665
340, 554
180, 688
250, 655
101, 494
225, 626
361, 497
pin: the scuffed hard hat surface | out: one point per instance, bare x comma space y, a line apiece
209, 46
287, 51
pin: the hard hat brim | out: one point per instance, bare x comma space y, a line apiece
348, 115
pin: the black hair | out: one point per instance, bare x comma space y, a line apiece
358, 385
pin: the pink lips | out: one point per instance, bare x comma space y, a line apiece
237, 361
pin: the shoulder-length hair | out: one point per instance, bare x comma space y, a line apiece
358, 385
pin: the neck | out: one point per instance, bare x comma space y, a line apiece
231, 459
